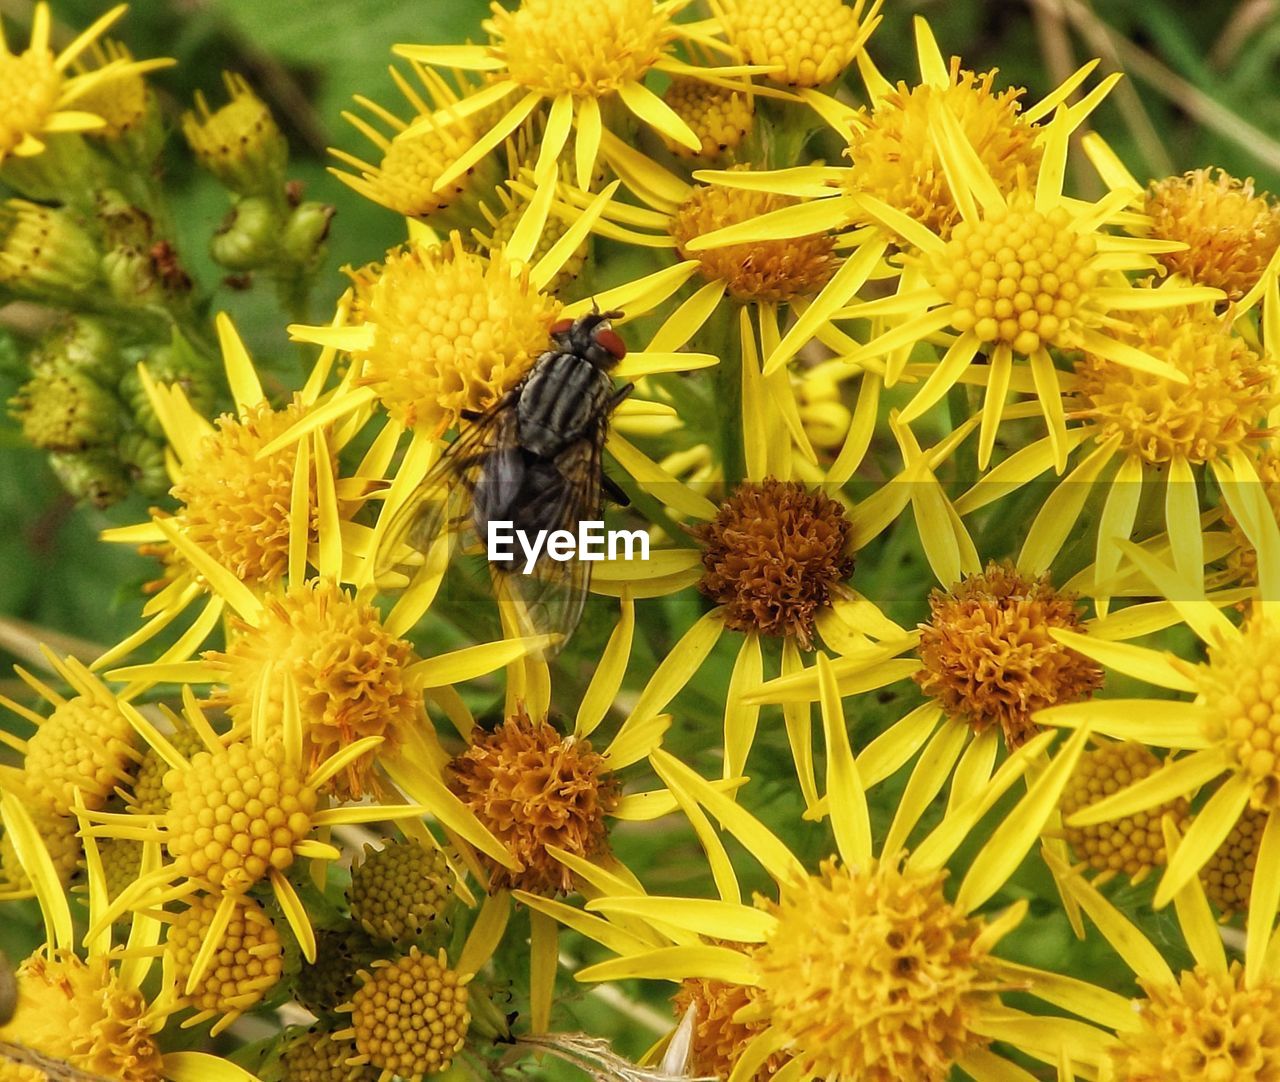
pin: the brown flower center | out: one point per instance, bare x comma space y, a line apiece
774, 556
989, 655
533, 788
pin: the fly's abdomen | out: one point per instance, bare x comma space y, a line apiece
560, 401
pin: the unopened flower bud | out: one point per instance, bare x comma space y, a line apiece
174, 363
304, 234
133, 129
249, 237
130, 275
240, 143
44, 252
143, 461
63, 409
94, 475
66, 172
78, 342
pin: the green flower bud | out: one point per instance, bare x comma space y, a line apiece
143, 459
66, 410
79, 343
400, 892
331, 979
44, 253
130, 276
94, 475
304, 234
249, 236
174, 363
240, 143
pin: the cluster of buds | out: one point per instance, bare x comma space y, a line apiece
85, 405
270, 227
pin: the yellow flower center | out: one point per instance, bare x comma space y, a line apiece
61, 840
150, 797
774, 557
588, 50
1231, 233
400, 891
407, 174
1228, 875
79, 1012
872, 974
1017, 277
990, 657
347, 670
85, 744
249, 960
319, 1056
812, 41
894, 157
771, 270
236, 813
533, 788
453, 331
718, 1039
410, 1015
237, 505
29, 89
1208, 1026
718, 116
1240, 688
1223, 404
1134, 844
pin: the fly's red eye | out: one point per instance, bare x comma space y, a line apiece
560, 326
612, 341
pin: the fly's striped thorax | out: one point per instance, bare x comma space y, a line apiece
559, 402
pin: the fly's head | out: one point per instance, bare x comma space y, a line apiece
591, 337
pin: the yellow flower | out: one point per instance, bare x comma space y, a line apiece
1216, 1019
578, 59
806, 43
720, 117
1226, 735
864, 969
38, 98
90, 1011
404, 177
1158, 427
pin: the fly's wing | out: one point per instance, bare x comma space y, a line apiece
549, 600
442, 499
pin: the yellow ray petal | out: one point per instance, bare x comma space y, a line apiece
708, 917
657, 113
850, 818
241, 376
676, 964
1181, 777
1165, 723
1206, 834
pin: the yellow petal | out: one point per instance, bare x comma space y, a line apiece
850, 818
1263, 900
1181, 777
486, 933
1163, 722
707, 917
676, 964
741, 718
1206, 834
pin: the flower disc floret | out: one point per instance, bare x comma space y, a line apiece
1018, 276
893, 150
248, 961
79, 1012
237, 505
1228, 874
1231, 233
1222, 405
1240, 690
350, 676
533, 789
770, 270
319, 1056
872, 974
990, 657
810, 41
774, 557
1209, 1026
85, 744
150, 797
721, 118
236, 813
558, 47
452, 332
412, 163
400, 891
410, 1016
1134, 844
